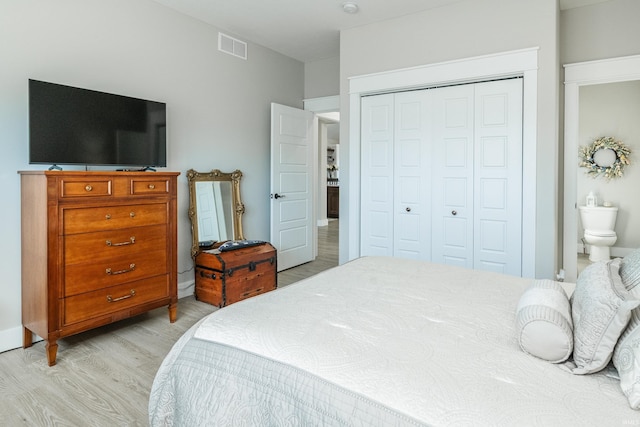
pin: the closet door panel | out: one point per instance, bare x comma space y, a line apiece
498, 174
412, 186
377, 134
452, 168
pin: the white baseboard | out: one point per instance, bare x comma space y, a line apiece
616, 251
323, 222
186, 289
11, 339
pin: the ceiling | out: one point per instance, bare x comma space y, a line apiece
307, 30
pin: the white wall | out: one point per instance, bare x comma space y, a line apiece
218, 106
613, 109
322, 78
600, 31
465, 29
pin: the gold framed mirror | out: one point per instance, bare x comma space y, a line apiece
215, 208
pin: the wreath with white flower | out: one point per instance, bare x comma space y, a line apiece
616, 169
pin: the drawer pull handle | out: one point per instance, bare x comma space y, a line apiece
152, 186
131, 241
132, 214
129, 295
88, 187
107, 216
128, 270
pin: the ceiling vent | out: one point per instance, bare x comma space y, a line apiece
232, 46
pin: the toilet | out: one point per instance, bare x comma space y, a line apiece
599, 223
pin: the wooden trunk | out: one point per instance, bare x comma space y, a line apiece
223, 278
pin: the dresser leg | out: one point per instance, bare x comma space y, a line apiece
52, 349
173, 312
27, 338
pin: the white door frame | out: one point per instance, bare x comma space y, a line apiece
507, 64
611, 70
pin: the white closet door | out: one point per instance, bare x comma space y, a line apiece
411, 167
442, 175
498, 177
453, 186
377, 175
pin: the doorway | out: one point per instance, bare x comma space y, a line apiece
580, 80
327, 140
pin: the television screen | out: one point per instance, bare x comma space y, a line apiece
69, 125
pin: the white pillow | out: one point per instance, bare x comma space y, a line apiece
543, 321
626, 356
630, 270
601, 308
626, 359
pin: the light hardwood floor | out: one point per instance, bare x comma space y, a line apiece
327, 256
103, 377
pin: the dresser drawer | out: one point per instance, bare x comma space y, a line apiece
105, 301
101, 245
147, 186
90, 276
84, 220
93, 187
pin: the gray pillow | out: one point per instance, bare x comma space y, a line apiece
630, 270
626, 359
543, 321
601, 308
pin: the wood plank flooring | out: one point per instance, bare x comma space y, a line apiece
327, 256
103, 377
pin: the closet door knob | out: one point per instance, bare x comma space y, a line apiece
454, 213
408, 209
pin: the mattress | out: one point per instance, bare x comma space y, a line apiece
377, 341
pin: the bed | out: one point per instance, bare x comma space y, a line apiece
377, 341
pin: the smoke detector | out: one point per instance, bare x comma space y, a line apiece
350, 7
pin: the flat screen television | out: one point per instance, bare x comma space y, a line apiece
74, 126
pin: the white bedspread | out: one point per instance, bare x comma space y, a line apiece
377, 341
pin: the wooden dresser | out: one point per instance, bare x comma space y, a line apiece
97, 247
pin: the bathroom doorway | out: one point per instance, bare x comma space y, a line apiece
612, 109
602, 98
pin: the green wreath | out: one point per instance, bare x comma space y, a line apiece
616, 169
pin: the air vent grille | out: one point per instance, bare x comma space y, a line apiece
232, 46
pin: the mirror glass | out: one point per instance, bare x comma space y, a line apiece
215, 208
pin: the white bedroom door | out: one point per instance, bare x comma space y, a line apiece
292, 172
